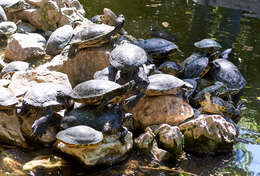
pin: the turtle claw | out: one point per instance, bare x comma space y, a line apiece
39, 127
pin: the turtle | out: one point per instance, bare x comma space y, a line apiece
81, 135
194, 66
169, 67
226, 72
93, 35
192, 82
13, 67
46, 97
158, 48
161, 34
109, 120
14, 5
131, 61
7, 99
216, 105
104, 74
226, 53
98, 19
100, 92
208, 45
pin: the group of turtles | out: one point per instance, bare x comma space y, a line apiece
206, 79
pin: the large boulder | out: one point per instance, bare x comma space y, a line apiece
209, 134
23, 80
83, 66
144, 142
110, 151
25, 46
10, 129
157, 110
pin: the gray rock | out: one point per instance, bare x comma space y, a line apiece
110, 151
159, 154
170, 138
209, 134
144, 142
2, 15
23, 27
25, 46
59, 39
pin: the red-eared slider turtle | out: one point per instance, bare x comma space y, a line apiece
226, 53
47, 97
109, 120
216, 105
194, 66
158, 47
7, 99
192, 82
208, 44
94, 35
80, 136
12, 67
226, 72
97, 92
169, 67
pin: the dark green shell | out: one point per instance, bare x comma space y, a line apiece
80, 135
226, 72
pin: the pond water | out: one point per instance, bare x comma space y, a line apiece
232, 23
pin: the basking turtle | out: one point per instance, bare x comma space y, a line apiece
109, 120
7, 99
80, 136
226, 53
93, 35
158, 48
12, 67
216, 105
192, 82
98, 19
169, 67
209, 46
226, 72
47, 97
194, 66
130, 60
100, 92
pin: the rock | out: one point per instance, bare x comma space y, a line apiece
36, 3
2, 15
59, 39
76, 4
110, 151
144, 142
159, 154
70, 15
23, 80
11, 6
83, 66
23, 27
7, 28
25, 46
10, 129
209, 134
46, 163
154, 110
170, 138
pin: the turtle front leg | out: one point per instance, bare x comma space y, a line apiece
39, 126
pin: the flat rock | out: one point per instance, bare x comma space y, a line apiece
209, 134
110, 151
154, 110
25, 46
23, 80
59, 39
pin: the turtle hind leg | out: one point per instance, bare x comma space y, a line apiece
39, 126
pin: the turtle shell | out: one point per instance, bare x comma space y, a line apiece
7, 99
207, 43
14, 66
169, 67
80, 135
161, 84
127, 56
226, 72
157, 47
93, 91
46, 94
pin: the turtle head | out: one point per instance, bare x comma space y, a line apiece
107, 128
120, 21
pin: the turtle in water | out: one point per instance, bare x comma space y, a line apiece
216, 105
100, 92
94, 35
209, 46
226, 72
80, 135
194, 66
161, 34
158, 48
109, 120
46, 97
7, 99
13, 67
